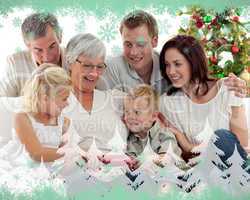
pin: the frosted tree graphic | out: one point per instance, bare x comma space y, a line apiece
117, 156
143, 178
203, 139
236, 179
71, 151
173, 168
117, 144
114, 160
206, 163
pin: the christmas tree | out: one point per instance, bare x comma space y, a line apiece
225, 38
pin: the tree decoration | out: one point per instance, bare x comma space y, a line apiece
207, 19
235, 49
220, 32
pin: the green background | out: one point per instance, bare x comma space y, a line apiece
119, 8
116, 6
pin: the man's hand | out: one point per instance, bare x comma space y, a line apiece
237, 85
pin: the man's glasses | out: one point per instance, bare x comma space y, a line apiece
86, 67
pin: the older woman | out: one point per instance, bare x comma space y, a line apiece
92, 111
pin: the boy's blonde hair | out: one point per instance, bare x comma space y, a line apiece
146, 92
47, 79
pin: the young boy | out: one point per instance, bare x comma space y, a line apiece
141, 118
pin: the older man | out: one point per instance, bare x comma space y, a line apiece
42, 36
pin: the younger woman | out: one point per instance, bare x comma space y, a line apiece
193, 99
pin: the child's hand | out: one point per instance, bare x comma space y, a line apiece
113, 159
133, 163
104, 160
159, 160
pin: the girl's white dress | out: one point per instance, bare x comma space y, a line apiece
18, 172
49, 136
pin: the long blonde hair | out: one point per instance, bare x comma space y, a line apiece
47, 79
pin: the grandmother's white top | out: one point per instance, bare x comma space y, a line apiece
190, 117
102, 123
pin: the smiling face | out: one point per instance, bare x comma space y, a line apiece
178, 68
45, 49
139, 114
138, 47
84, 78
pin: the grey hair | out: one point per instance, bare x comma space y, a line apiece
84, 44
35, 26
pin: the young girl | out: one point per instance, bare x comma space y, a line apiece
194, 98
40, 127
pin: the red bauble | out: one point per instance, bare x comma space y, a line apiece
236, 18
196, 17
235, 49
213, 60
214, 21
218, 26
199, 23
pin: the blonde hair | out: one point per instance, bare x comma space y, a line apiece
48, 79
148, 93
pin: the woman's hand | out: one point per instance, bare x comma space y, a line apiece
237, 85
165, 123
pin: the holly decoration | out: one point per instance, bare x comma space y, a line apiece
220, 32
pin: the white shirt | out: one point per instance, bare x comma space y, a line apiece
120, 75
190, 118
19, 67
102, 123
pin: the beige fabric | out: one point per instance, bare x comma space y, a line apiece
121, 76
18, 68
